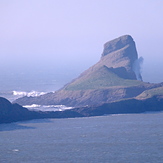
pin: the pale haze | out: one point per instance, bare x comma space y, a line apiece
67, 36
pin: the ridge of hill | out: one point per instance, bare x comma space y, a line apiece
116, 76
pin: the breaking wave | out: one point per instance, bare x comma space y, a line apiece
28, 94
35, 107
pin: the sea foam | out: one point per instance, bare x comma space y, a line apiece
35, 107
32, 93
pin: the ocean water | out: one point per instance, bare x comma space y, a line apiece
130, 138
18, 84
14, 85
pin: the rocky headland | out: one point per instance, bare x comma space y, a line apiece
113, 85
115, 77
14, 112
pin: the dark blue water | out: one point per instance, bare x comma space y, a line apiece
33, 82
132, 138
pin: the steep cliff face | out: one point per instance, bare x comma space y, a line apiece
119, 55
112, 78
120, 52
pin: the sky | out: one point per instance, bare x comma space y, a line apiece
68, 35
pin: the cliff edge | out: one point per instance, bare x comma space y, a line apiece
116, 76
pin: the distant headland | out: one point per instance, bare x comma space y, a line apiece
115, 77
112, 85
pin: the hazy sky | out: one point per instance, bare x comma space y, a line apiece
70, 33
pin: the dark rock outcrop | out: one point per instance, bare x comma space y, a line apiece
13, 112
129, 106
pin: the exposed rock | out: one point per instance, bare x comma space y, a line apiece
108, 87
91, 97
112, 78
120, 52
120, 55
128, 106
117, 44
14, 112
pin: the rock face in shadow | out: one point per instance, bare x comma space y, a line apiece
129, 106
14, 112
120, 52
108, 87
112, 78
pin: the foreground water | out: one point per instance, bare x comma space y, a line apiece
136, 138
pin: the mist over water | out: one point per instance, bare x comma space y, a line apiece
137, 68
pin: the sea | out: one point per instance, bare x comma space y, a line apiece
14, 85
119, 138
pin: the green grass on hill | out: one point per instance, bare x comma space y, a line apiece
99, 79
150, 93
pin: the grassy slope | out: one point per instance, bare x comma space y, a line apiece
99, 79
150, 93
